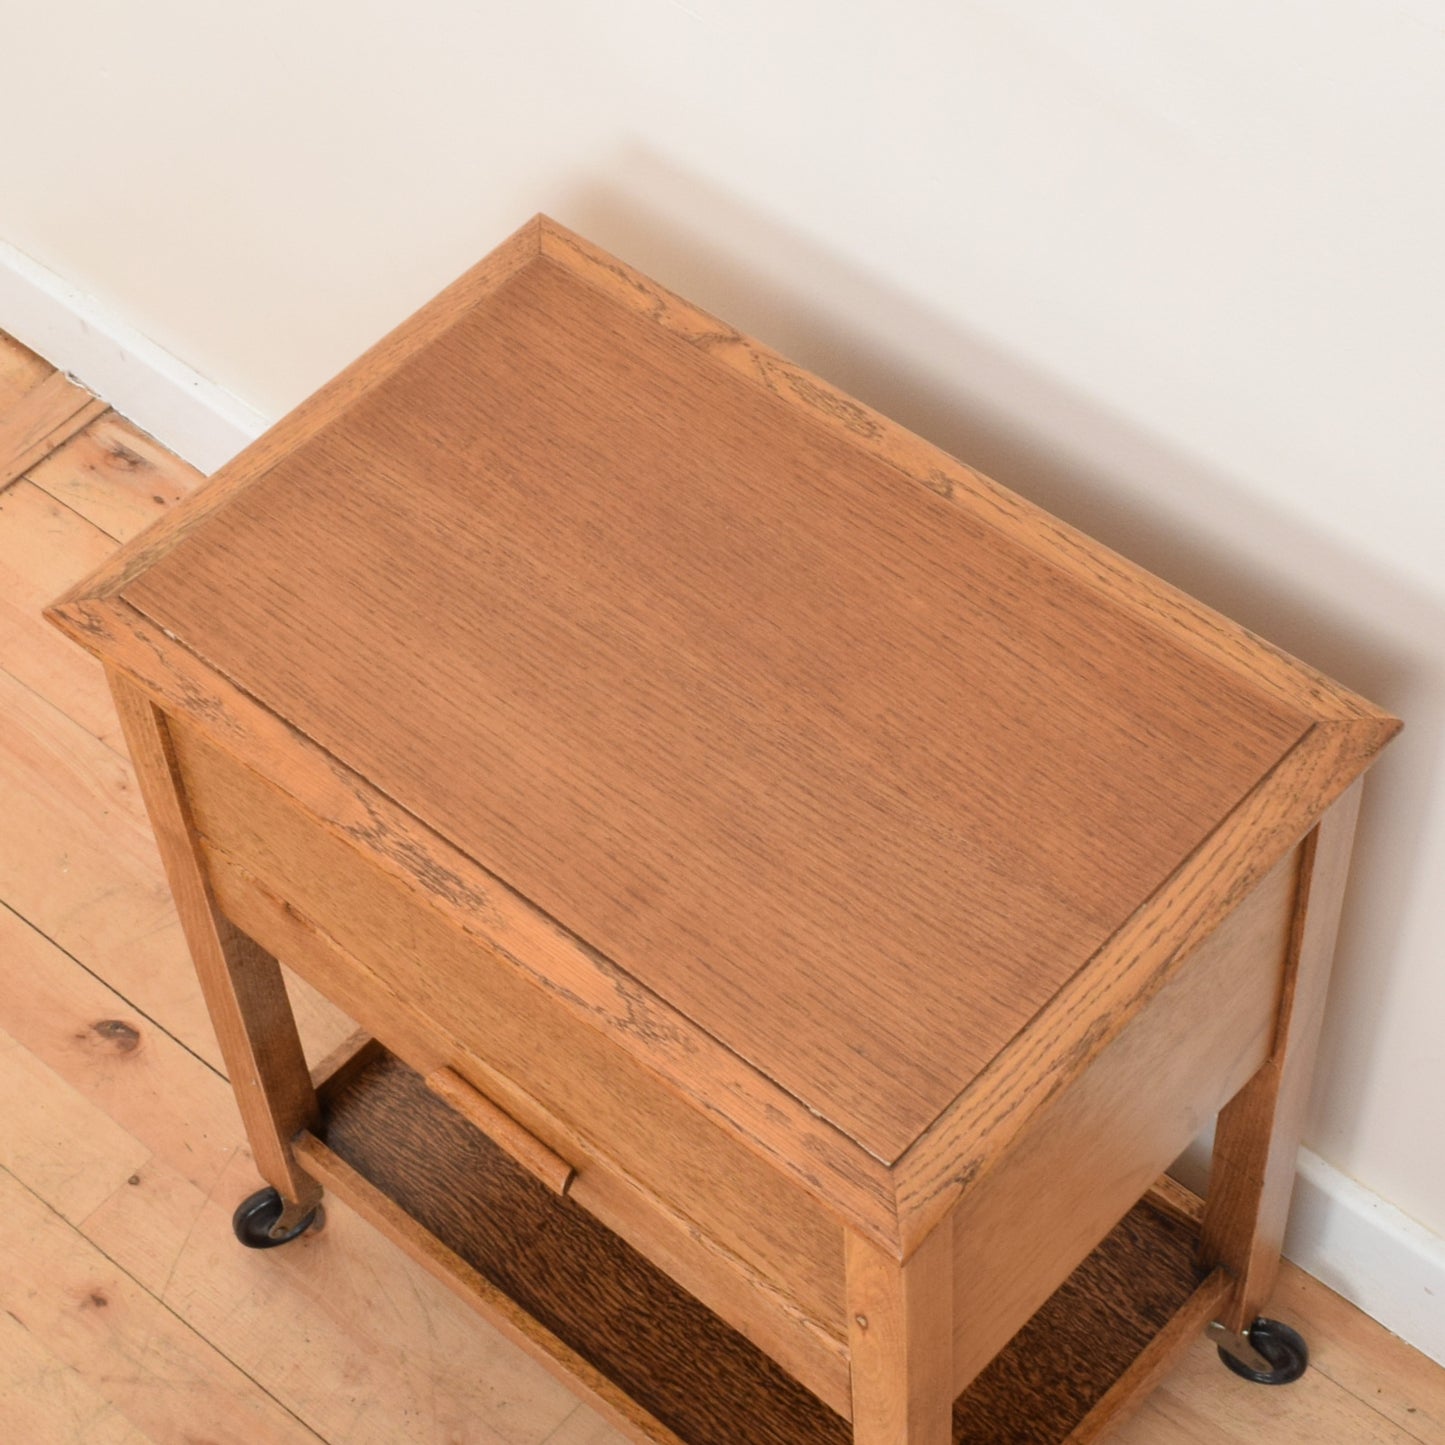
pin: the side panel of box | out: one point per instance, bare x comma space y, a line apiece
739, 1235
1095, 1149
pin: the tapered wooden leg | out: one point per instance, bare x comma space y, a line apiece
242, 983
900, 1335
1257, 1141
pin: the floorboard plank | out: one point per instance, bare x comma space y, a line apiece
41, 420
133, 1072
339, 1326
43, 1399
56, 1140
583, 1427
115, 476
175, 1105
21, 370
1201, 1403
317, 1324
78, 861
160, 1374
1363, 1357
44, 547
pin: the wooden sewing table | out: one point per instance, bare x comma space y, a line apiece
799, 896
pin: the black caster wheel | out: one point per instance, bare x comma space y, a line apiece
256, 1216
1283, 1347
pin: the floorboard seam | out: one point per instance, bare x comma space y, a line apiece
61, 501
181, 1319
56, 708
110, 988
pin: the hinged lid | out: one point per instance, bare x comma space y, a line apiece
850, 757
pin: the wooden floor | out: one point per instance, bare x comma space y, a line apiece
129, 1313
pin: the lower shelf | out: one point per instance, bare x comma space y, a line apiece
661, 1364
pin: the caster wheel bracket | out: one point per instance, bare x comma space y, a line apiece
1267, 1353
264, 1220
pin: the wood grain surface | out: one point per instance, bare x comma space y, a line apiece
115, 1094
724, 672
1061, 1365
1285, 678
732, 1279
1256, 1143
244, 989
40, 420
477, 1012
523, 1147
603, 1299
900, 1338
1083, 1019
722, 692
679, 1362
404, 852
1095, 1148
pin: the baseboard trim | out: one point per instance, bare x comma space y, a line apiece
193, 416
1378, 1258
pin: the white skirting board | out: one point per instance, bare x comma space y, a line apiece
197, 419
1378, 1258
1369, 1252
1362, 1247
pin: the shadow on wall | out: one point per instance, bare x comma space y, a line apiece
1201, 530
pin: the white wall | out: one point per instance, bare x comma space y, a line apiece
1174, 270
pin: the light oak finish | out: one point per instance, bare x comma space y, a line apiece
1097, 1001
900, 1324
470, 1003
499, 1126
1097, 1147
1258, 1135
721, 1278
779, 827
632, 666
1282, 677
242, 983
1100, 1001
775, 1268
85, 1112
401, 848
1170, 1197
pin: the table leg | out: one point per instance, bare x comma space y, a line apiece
900, 1335
1258, 1136
242, 983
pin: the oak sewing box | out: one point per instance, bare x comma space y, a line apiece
798, 896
